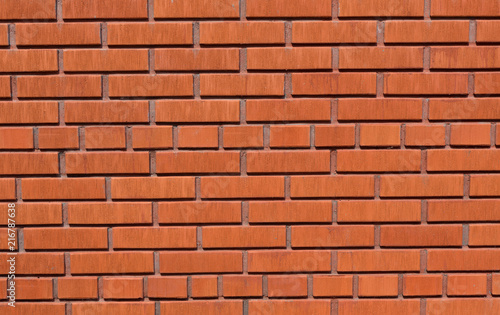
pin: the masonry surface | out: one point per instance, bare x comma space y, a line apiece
250, 157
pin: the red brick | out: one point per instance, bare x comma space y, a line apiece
105, 137
20, 60
266, 261
484, 185
5, 87
463, 210
463, 259
104, 9
287, 286
198, 162
241, 286
378, 285
106, 112
290, 212
32, 264
104, 60
282, 136
290, 8
201, 262
197, 9
332, 236
378, 161
242, 84
495, 290
466, 284
65, 238
199, 111
227, 32
58, 138
202, 307
426, 32
223, 59
150, 86
243, 137
16, 138
334, 83
379, 58
379, 306
288, 162
289, 59
292, 307
107, 162
27, 10
484, 235
152, 188
109, 213
242, 187
199, 212
59, 86
63, 188
463, 160
34, 308
379, 109
288, 110
34, 289
323, 32
486, 83
164, 237
378, 211
4, 35
33, 213
154, 137
76, 288
198, 137
334, 136
470, 134
58, 34
244, 237
121, 34
487, 31
9, 237
422, 285
111, 262
204, 286
420, 236
462, 306
464, 109
99, 308
332, 186
378, 135
167, 287
425, 84
122, 288
464, 8
464, 57
396, 8
378, 260
425, 135
29, 163
332, 286
421, 185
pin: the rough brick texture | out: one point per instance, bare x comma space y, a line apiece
250, 157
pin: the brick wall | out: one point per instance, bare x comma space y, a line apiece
250, 156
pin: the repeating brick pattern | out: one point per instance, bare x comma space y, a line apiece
245, 157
